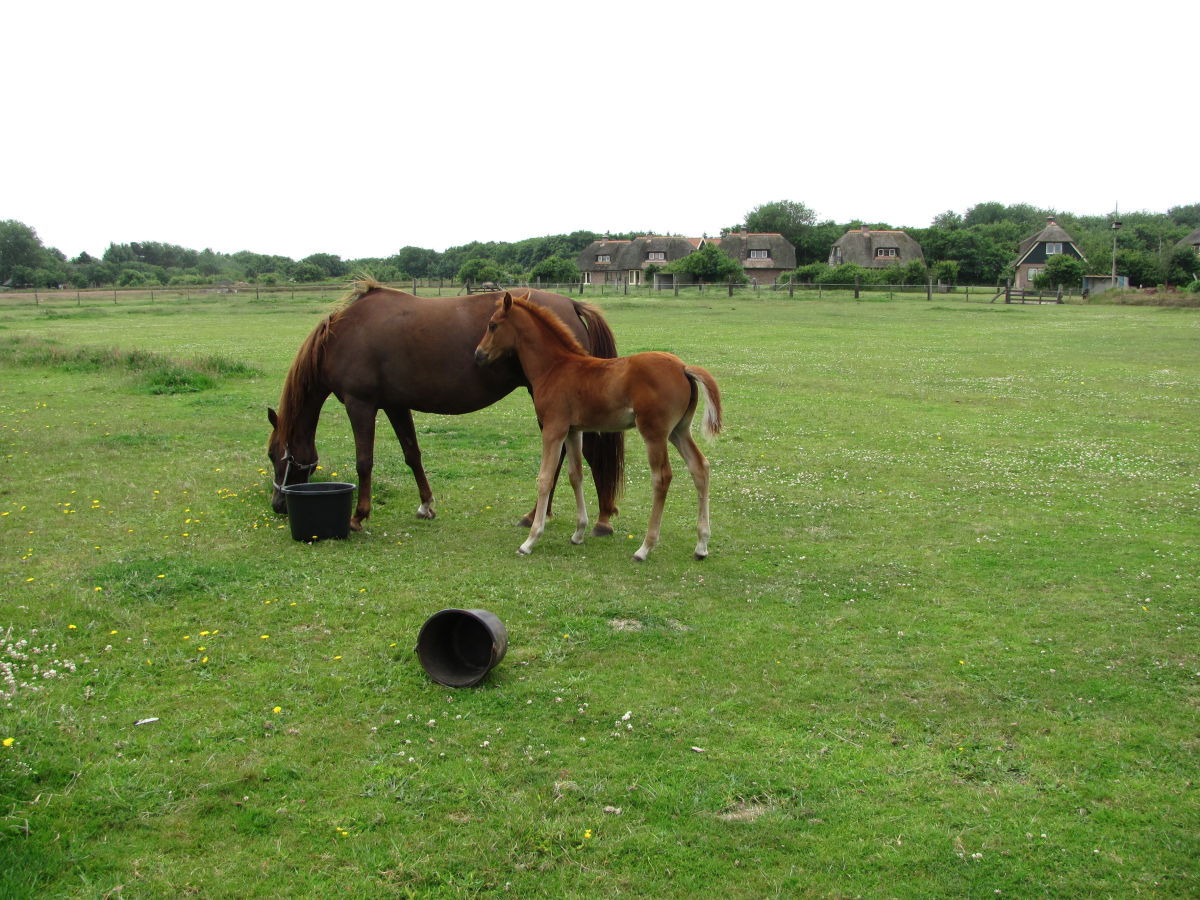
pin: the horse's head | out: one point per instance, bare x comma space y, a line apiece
285, 468
499, 338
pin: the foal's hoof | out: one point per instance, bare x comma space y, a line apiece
602, 529
526, 522
701, 556
426, 512
356, 524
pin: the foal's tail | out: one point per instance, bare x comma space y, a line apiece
707, 386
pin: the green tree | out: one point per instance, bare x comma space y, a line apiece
556, 270
21, 253
478, 270
1062, 270
708, 264
797, 223
306, 272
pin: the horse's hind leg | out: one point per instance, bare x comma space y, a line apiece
697, 465
604, 452
406, 433
362, 421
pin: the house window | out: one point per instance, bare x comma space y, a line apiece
1032, 274
604, 258
657, 256
885, 252
587, 277
1051, 249
760, 254
635, 276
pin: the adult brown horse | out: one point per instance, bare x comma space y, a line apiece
385, 349
654, 392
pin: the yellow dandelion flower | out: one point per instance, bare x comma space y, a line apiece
8, 742
277, 709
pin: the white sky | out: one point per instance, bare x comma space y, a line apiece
357, 128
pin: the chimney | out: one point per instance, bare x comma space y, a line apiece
866, 229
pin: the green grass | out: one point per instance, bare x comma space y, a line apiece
945, 644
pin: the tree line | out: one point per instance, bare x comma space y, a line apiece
978, 246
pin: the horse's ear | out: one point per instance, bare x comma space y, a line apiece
507, 301
272, 418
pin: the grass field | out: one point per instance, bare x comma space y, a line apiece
945, 645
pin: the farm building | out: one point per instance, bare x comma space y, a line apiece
875, 249
763, 257
1193, 241
1035, 250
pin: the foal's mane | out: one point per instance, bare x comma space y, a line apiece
553, 324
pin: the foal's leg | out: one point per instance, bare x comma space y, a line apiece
552, 443
575, 473
362, 421
406, 434
660, 476
681, 437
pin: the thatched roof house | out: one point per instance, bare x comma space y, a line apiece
1035, 250
875, 249
763, 256
1193, 241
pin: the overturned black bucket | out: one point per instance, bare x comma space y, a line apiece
458, 647
319, 510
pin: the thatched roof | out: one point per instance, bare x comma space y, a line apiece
860, 245
1192, 240
1053, 233
780, 252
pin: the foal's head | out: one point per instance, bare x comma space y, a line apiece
500, 337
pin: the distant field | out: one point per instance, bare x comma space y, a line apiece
945, 644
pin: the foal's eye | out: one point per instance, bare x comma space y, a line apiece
491, 326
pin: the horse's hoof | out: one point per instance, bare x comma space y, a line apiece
638, 558
526, 522
356, 524
426, 512
602, 530
521, 551
701, 556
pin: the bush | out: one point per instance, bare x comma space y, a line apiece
813, 273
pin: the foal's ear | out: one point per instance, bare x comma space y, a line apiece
507, 301
272, 418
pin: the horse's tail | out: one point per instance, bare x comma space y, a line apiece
605, 450
707, 386
601, 337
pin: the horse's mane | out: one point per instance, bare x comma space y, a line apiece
302, 376
552, 323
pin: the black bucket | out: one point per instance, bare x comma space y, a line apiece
319, 510
458, 647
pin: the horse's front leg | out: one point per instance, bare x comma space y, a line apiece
660, 476
406, 433
575, 473
552, 444
362, 421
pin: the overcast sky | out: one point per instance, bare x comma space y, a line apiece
357, 128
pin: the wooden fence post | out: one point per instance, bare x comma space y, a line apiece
929, 287
791, 288
857, 285
1008, 290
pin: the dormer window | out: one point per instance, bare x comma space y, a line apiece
604, 258
885, 253
1052, 249
657, 256
760, 254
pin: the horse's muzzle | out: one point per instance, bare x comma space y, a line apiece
481, 358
